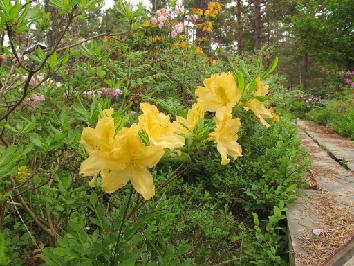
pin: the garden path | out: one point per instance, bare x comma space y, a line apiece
321, 221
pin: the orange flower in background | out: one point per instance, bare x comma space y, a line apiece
197, 11
180, 44
207, 26
275, 117
213, 62
215, 6
198, 50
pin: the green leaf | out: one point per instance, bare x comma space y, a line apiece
271, 68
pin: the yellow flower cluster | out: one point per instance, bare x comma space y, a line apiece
206, 26
220, 94
23, 174
124, 157
127, 155
213, 9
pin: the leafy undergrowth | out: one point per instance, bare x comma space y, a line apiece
336, 114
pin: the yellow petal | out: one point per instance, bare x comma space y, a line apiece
130, 150
225, 136
92, 165
219, 91
158, 126
101, 137
115, 179
259, 110
143, 182
92, 182
262, 89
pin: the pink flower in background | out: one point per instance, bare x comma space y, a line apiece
26, 101
32, 82
34, 101
154, 20
194, 17
178, 27
40, 78
116, 92
174, 33
161, 18
38, 98
22, 78
163, 11
104, 91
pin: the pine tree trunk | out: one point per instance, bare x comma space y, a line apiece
258, 24
239, 25
306, 69
53, 33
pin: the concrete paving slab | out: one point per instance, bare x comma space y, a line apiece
340, 147
321, 221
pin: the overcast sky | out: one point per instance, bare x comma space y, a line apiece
109, 3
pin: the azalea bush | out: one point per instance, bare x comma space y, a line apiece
141, 148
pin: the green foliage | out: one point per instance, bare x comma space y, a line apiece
325, 27
336, 114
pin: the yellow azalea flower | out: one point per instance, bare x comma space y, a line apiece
187, 125
159, 128
215, 6
225, 136
257, 106
219, 91
98, 143
135, 160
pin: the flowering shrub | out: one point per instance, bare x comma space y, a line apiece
128, 154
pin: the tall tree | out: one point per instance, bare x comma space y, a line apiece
258, 24
325, 28
239, 25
